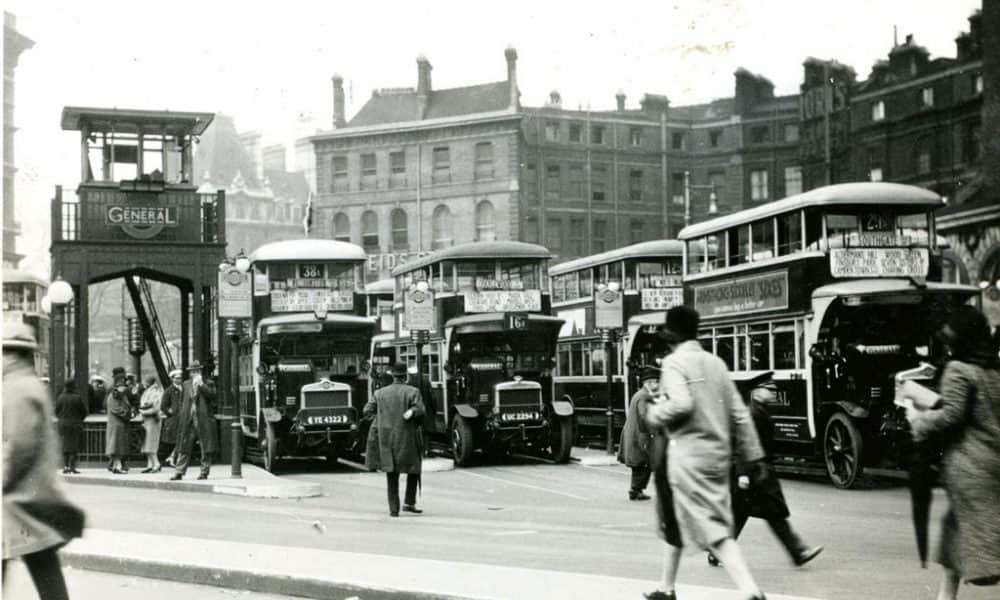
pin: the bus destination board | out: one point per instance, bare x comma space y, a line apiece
311, 299
741, 295
662, 298
879, 262
483, 301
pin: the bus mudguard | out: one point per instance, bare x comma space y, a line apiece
853, 410
563, 408
466, 411
271, 415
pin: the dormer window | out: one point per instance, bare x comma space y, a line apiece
927, 97
878, 110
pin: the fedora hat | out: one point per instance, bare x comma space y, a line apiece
19, 336
648, 372
195, 366
175, 373
681, 324
399, 369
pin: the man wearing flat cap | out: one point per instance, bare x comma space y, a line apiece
196, 421
398, 411
637, 439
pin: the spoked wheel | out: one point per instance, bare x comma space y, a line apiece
270, 449
562, 439
842, 451
462, 442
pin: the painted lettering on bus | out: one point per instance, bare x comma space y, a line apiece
741, 295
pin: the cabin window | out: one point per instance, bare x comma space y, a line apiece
651, 274
696, 256
738, 245
369, 231
760, 347
399, 230
741, 348
716, 248
441, 227
608, 273
470, 271
520, 270
789, 233
814, 229
485, 222
839, 228
342, 228
763, 239
784, 345
725, 347
558, 288
445, 279
914, 229
586, 283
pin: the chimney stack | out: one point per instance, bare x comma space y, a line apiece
423, 85
555, 100
511, 55
620, 98
338, 102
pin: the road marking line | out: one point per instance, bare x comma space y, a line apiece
608, 469
518, 532
526, 485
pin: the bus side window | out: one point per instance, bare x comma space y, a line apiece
784, 345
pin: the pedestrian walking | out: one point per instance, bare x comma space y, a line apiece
196, 422
119, 415
636, 440
706, 419
71, 410
765, 500
967, 422
170, 404
149, 408
398, 410
37, 518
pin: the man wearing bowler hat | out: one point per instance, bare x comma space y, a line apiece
637, 440
398, 411
196, 421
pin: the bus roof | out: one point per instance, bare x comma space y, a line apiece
308, 250
841, 194
475, 250
488, 322
887, 286
655, 248
382, 286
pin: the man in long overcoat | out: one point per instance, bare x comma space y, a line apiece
197, 422
398, 410
707, 421
170, 404
637, 440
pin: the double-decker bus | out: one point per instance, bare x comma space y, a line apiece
486, 356
835, 290
304, 366
645, 279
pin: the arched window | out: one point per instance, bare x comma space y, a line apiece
341, 228
485, 223
442, 227
369, 230
399, 232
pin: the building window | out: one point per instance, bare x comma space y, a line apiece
341, 228
791, 132
574, 183
339, 174
442, 165
677, 188
793, 180
552, 131
875, 174
441, 227
369, 231
635, 231
923, 156
758, 185
485, 223
530, 187
927, 97
400, 241
484, 160
553, 235
635, 185
596, 134
878, 110
577, 233
635, 136
874, 165
531, 230
977, 83
397, 169
598, 183
677, 141
368, 172
600, 235
575, 132
760, 134
714, 138
552, 182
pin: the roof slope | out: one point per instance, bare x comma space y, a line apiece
400, 105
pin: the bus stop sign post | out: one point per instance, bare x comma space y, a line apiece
608, 338
233, 331
608, 318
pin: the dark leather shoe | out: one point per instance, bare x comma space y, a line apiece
412, 509
146, 470
393, 513
713, 560
658, 595
119, 471
638, 496
176, 477
807, 555
74, 471
203, 476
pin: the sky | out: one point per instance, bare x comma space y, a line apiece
268, 64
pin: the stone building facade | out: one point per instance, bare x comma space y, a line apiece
14, 43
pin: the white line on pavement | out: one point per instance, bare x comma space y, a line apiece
526, 485
517, 532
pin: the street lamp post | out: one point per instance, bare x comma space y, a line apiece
60, 294
608, 339
713, 206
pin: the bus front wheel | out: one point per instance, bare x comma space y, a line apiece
562, 439
462, 443
842, 451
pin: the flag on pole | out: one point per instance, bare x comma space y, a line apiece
307, 219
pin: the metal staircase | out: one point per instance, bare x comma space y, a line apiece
145, 311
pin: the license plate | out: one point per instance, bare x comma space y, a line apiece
520, 416
327, 419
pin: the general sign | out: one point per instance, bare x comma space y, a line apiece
235, 294
141, 222
608, 309
480, 301
662, 298
308, 300
418, 310
740, 295
879, 262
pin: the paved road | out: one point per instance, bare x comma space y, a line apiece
559, 517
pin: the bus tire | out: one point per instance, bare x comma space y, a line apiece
843, 449
562, 437
270, 448
462, 441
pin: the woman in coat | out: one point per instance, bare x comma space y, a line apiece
37, 519
119, 414
71, 410
149, 408
967, 422
170, 405
636, 440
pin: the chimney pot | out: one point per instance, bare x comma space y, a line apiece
423, 85
511, 55
338, 101
555, 99
620, 98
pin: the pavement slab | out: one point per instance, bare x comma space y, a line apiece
255, 483
318, 573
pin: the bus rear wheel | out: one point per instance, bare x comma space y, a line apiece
842, 451
270, 443
462, 441
562, 439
